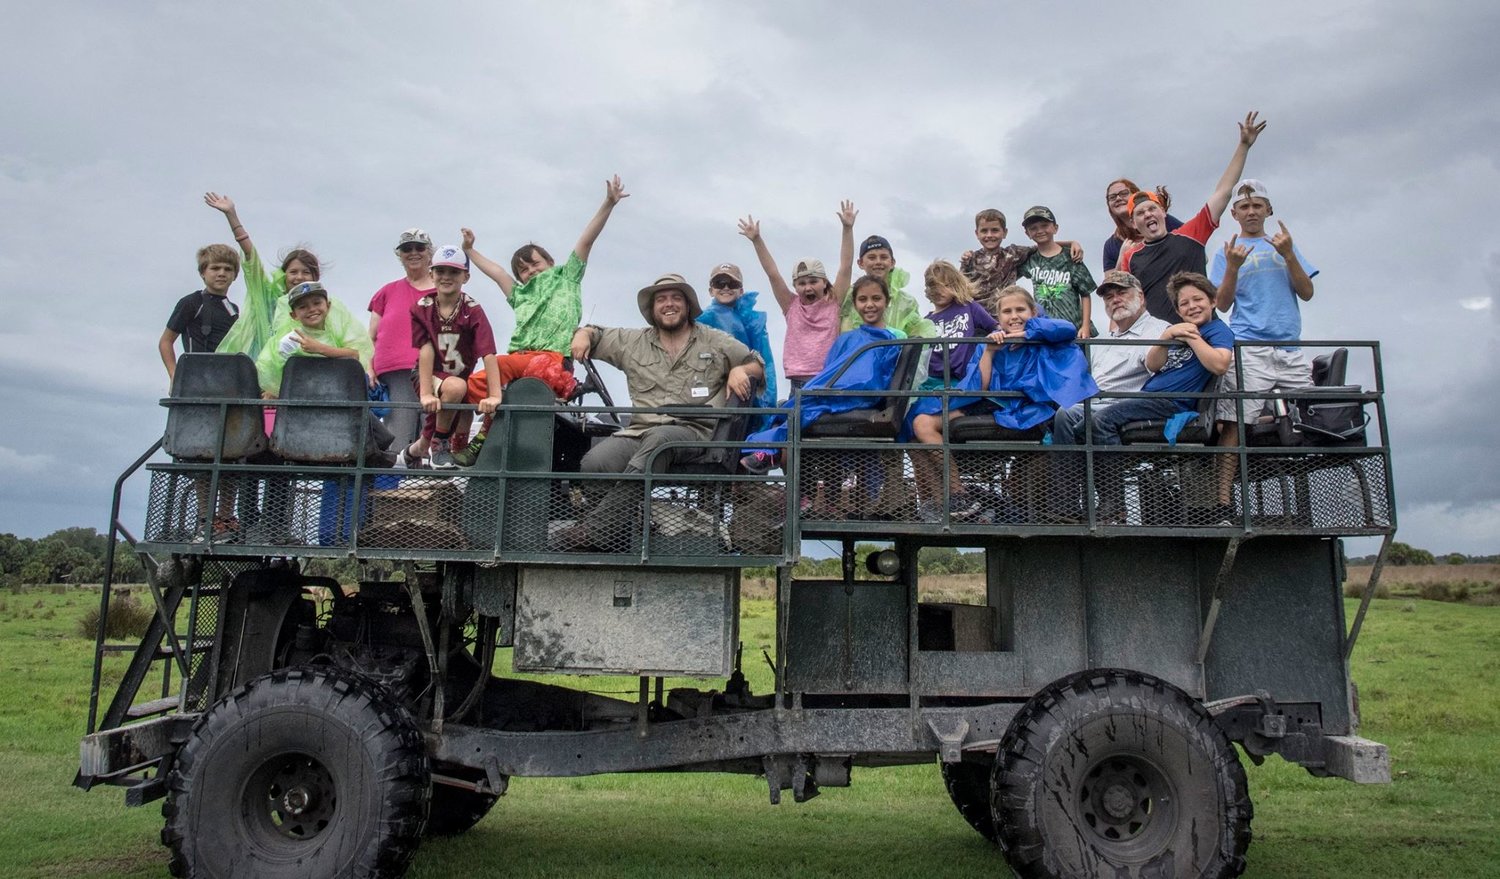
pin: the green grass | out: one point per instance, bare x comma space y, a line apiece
1430, 689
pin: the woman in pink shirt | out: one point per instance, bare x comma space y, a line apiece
812, 313
390, 329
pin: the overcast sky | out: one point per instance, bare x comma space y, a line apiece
339, 125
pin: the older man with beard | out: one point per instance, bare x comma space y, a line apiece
1116, 369
673, 362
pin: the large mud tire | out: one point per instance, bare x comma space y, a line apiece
455, 810
1118, 773
968, 785
304, 772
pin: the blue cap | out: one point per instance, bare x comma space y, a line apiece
874, 242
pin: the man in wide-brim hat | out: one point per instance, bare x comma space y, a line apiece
673, 362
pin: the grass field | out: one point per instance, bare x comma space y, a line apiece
1429, 674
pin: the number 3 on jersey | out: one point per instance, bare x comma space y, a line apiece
453, 361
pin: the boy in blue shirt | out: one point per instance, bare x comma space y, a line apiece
1206, 351
1264, 279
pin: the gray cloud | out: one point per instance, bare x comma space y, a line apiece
340, 127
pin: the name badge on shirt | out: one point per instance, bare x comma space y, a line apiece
700, 391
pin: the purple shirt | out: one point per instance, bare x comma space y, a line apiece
958, 320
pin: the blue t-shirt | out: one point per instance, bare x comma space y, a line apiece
1266, 309
1183, 371
959, 320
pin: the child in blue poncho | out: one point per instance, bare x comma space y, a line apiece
870, 370
732, 310
1048, 375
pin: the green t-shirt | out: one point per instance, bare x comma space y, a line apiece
548, 308
340, 330
903, 315
1060, 285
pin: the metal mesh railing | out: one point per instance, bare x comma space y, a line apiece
516, 506
485, 515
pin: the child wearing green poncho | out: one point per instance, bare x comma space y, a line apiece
265, 307
876, 258
312, 328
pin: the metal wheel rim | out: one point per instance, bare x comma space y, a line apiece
1127, 804
290, 798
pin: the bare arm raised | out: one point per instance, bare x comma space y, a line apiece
847, 216
1250, 129
494, 270
225, 205
750, 228
613, 192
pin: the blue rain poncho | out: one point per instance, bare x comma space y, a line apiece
1050, 375
748, 325
870, 370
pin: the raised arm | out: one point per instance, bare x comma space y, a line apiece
845, 276
613, 192
225, 205
1250, 129
494, 270
750, 228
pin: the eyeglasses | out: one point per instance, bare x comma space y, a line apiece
412, 247
1117, 198
726, 285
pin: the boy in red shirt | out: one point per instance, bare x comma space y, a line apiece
452, 334
1162, 254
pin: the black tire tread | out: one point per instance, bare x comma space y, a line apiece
1020, 755
968, 785
455, 810
395, 736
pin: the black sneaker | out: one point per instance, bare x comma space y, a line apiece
758, 463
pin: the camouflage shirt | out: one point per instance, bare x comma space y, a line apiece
992, 271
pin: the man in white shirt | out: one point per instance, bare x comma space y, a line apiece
1116, 368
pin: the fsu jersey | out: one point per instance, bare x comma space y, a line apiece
460, 342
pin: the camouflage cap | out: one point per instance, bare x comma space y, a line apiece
1117, 278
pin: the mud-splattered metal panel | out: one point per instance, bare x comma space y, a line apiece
626, 620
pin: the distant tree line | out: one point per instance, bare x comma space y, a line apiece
1406, 554
76, 555
72, 555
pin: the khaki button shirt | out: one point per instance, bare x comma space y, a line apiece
696, 378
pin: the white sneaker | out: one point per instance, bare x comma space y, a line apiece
442, 458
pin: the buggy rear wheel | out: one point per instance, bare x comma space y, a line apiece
968, 785
455, 810
305, 772
1110, 772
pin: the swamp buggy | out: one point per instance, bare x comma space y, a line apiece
1084, 711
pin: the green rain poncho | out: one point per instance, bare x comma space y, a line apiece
265, 308
903, 313
340, 330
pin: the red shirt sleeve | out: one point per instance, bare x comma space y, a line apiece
1200, 228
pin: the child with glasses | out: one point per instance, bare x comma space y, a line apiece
731, 309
